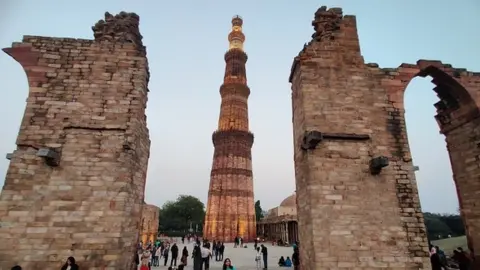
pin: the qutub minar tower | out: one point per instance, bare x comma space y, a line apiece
230, 207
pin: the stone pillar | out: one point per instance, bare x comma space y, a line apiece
75, 183
286, 233
351, 145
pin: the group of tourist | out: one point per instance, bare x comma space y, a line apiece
151, 253
460, 259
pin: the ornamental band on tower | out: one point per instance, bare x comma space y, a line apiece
230, 207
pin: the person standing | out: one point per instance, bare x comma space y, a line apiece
70, 264
165, 255
217, 251
206, 254
197, 256
264, 251
184, 258
222, 250
174, 250
258, 259
156, 258
296, 258
136, 259
227, 265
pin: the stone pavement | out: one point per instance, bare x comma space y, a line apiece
242, 258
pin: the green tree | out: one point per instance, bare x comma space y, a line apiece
176, 216
258, 211
440, 226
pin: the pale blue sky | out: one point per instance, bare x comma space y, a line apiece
186, 41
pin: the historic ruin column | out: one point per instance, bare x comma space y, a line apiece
230, 206
75, 183
352, 210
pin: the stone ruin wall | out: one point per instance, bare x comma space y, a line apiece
86, 102
349, 218
150, 222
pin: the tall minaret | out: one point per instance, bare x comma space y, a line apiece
230, 207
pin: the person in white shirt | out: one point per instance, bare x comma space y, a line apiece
158, 254
206, 254
258, 259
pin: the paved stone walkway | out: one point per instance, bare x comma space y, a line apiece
242, 258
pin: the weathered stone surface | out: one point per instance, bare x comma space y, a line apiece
87, 101
349, 218
230, 206
149, 224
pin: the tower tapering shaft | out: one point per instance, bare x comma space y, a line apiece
230, 207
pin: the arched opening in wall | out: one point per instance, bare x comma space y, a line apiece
15, 90
432, 164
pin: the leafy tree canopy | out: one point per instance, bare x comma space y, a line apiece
442, 225
258, 211
176, 216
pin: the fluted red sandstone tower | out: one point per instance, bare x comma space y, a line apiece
75, 183
230, 207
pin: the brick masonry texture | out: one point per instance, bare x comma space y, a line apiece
349, 218
86, 101
230, 207
149, 223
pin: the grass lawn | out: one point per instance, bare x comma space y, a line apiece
450, 244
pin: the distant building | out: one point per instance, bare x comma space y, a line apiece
149, 224
280, 222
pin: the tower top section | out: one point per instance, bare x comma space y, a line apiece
236, 38
237, 21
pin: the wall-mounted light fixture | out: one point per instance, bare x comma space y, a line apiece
51, 157
377, 164
9, 156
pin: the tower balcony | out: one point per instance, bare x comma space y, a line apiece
237, 36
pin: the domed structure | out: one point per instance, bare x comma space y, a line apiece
280, 223
290, 201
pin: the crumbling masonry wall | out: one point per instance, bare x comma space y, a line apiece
149, 223
349, 216
86, 101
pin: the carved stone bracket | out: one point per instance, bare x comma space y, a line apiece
51, 157
377, 164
